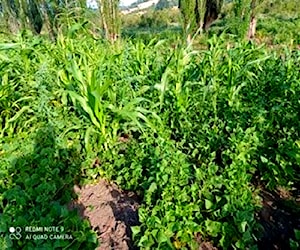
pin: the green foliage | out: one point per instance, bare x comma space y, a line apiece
277, 21
198, 15
187, 9
278, 31
158, 19
240, 17
151, 20
164, 4
19, 15
41, 152
202, 126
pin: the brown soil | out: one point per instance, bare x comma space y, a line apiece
207, 246
111, 213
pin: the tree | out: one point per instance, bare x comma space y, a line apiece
13, 15
187, 8
199, 14
212, 11
34, 14
21, 14
245, 17
253, 21
109, 11
49, 12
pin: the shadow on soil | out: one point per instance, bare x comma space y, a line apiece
279, 217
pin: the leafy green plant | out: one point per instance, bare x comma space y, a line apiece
188, 130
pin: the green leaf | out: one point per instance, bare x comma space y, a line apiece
152, 187
213, 227
208, 204
243, 226
135, 230
161, 237
20, 112
84, 105
6, 46
263, 159
297, 234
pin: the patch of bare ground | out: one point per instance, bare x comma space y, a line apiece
207, 246
204, 244
111, 213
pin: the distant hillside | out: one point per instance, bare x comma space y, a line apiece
164, 4
142, 5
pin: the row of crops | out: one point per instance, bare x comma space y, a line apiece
204, 127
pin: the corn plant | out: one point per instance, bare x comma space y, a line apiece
89, 84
